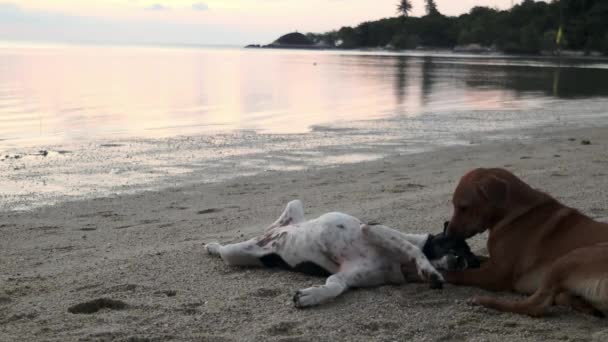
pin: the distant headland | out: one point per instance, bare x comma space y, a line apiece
294, 40
564, 27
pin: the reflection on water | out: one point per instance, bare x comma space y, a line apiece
83, 121
63, 93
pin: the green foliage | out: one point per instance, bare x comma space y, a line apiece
295, 38
431, 7
528, 27
530, 39
404, 7
604, 47
549, 42
403, 41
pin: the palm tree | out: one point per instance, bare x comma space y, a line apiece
431, 7
404, 7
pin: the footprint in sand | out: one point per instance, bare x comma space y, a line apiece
190, 309
45, 228
168, 293
266, 293
177, 207
209, 211
283, 329
558, 174
95, 305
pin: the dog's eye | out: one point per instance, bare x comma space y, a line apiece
463, 208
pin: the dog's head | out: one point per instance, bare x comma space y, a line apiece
479, 201
449, 253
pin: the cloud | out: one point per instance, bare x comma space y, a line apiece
10, 11
200, 6
18, 23
9, 7
157, 7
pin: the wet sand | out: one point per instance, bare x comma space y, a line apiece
144, 254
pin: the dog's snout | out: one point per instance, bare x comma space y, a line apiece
455, 231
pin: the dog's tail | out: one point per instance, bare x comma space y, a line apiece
534, 306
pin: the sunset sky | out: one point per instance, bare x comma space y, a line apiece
195, 21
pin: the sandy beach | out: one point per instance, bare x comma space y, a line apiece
145, 253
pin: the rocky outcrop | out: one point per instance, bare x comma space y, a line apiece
294, 40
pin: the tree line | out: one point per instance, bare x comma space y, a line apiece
528, 27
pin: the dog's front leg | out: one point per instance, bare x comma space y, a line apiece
334, 286
489, 277
398, 247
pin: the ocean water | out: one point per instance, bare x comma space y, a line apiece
78, 121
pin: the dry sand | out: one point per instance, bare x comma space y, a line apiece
146, 251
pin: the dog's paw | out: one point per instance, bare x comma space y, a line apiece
307, 297
429, 273
213, 248
436, 281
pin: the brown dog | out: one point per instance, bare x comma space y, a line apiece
536, 244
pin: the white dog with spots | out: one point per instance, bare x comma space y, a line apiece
353, 253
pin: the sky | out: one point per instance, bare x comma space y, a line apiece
213, 22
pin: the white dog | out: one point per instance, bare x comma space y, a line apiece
353, 253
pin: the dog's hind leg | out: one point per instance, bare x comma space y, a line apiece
581, 273
246, 253
400, 248
249, 253
293, 213
533, 306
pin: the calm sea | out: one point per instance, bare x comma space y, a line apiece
78, 121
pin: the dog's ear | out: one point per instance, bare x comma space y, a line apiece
494, 190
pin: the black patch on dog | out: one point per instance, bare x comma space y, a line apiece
310, 268
274, 261
440, 245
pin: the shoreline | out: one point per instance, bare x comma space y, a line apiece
569, 55
46, 175
573, 55
145, 250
